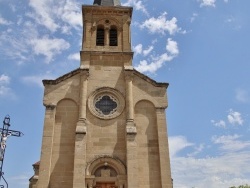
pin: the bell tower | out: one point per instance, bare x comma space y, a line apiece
106, 29
105, 123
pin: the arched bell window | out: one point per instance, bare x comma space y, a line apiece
100, 36
113, 37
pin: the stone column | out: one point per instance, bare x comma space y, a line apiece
130, 126
106, 36
90, 182
122, 179
83, 100
166, 179
47, 147
129, 94
132, 168
80, 139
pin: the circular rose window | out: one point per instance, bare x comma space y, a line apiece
106, 103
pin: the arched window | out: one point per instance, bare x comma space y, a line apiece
113, 37
100, 36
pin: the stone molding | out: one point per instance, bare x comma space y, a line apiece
50, 106
110, 92
100, 160
65, 76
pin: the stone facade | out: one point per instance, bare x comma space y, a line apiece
105, 123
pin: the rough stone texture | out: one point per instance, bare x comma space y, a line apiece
81, 149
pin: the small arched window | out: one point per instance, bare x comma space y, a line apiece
100, 36
113, 37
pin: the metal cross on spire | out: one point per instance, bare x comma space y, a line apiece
5, 132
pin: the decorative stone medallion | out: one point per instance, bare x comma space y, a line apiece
106, 103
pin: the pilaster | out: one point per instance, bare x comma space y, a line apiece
80, 138
166, 179
131, 145
47, 147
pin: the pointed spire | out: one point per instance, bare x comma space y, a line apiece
107, 2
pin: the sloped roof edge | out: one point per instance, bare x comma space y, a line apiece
150, 80
63, 77
79, 70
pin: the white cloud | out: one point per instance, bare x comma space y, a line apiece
194, 16
161, 25
5, 90
18, 42
235, 118
75, 57
219, 123
44, 13
221, 171
158, 61
242, 96
209, 3
55, 14
177, 143
148, 50
231, 142
137, 49
48, 47
198, 149
70, 13
4, 79
225, 169
138, 5
4, 22
172, 47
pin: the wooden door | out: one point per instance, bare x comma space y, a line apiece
105, 185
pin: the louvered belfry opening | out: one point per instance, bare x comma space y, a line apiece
100, 36
113, 37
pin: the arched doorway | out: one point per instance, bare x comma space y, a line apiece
106, 172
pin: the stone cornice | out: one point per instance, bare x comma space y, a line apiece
64, 77
106, 52
79, 70
108, 10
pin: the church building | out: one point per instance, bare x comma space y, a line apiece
105, 123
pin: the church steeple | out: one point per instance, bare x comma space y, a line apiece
106, 30
107, 2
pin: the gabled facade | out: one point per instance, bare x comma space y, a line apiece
105, 124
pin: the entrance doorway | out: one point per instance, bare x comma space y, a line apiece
105, 185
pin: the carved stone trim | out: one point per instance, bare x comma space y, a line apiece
100, 160
131, 128
161, 109
114, 94
129, 75
50, 106
64, 77
81, 127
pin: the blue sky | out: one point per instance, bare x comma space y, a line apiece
200, 47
